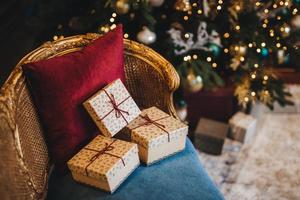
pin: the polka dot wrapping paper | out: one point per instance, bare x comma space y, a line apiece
104, 162
157, 134
112, 108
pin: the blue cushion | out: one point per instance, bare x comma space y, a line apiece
178, 177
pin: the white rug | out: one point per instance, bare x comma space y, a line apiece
267, 168
270, 169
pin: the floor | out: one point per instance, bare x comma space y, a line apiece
268, 166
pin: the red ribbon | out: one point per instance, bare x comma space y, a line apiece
149, 121
108, 147
118, 111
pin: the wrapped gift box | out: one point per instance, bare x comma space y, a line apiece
104, 163
157, 134
112, 108
210, 136
242, 127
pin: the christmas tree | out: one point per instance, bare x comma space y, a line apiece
210, 43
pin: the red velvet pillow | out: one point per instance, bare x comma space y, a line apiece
60, 85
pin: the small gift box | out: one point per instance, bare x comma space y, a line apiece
112, 108
157, 134
104, 163
210, 136
242, 127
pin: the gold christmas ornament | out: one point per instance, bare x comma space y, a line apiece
183, 5
193, 83
122, 7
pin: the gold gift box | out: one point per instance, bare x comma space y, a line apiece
157, 134
104, 163
112, 108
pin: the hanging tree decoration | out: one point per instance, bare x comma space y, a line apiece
203, 38
183, 5
146, 36
122, 6
156, 3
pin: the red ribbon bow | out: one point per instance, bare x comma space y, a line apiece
149, 121
118, 111
108, 147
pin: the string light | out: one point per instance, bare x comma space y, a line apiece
208, 59
253, 76
236, 48
258, 50
226, 35
246, 99
266, 77
226, 50
264, 25
214, 65
253, 94
195, 57
194, 4
281, 3
275, 5
111, 20
257, 3
242, 59
237, 27
114, 15
237, 7
256, 65
295, 10
266, 11
286, 3
250, 45
219, 7
126, 35
199, 12
185, 18
278, 45
187, 58
278, 17
113, 26
220, 1
263, 44
186, 35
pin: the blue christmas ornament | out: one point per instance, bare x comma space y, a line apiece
264, 52
215, 49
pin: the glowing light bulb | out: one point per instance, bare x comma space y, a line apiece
226, 35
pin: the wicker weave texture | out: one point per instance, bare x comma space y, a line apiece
24, 165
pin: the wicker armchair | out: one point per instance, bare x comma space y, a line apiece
24, 158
